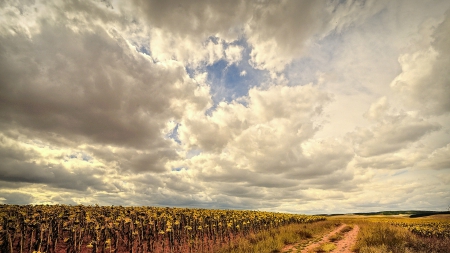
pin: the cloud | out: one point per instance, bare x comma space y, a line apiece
25, 166
439, 159
389, 161
182, 30
266, 143
195, 18
393, 131
273, 43
275, 105
378, 109
57, 91
193, 32
270, 31
134, 160
234, 53
424, 83
16, 198
269, 115
84, 84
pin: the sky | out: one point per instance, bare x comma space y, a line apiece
287, 106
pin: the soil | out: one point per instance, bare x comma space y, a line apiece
345, 245
342, 246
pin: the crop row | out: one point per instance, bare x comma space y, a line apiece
62, 228
427, 229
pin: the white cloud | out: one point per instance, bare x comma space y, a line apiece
270, 113
112, 104
439, 159
378, 109
234, 54
390, 134
179, 28
424, 83
166, 46
270, 31
89, 86
267, 143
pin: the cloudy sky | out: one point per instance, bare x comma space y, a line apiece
288, 106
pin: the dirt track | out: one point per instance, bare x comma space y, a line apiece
345, 245
342, 246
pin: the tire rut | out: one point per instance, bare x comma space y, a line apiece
345, 245
342, 246
295, 247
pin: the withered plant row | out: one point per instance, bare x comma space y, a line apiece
62, 228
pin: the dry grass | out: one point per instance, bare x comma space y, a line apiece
274, 240
339, 236
346, 229
324, 248
336, 237
377, 235
381, 237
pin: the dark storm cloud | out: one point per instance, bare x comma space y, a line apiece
54, 176
199, 18
65, 199
133, 160
332, 157
19, 167
340, 180
82, 87
17, 198
179, 183
13, 185
241, 191
277, 31
148, 180
248, 178
67, 84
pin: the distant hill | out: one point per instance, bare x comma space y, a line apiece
411, 213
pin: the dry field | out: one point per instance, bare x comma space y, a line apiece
62, 228
67, 229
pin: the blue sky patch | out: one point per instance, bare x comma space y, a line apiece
232, 81
179, 168
174, 134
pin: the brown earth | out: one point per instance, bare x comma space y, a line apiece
342, 246
295, 247
345, 245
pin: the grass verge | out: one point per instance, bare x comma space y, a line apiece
339, 236
324, 248
274, 240
380, 237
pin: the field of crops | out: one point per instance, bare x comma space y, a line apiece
400, 233
434, 226
62, 228
426, 228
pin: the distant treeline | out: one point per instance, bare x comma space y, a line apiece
427, 214
412, 213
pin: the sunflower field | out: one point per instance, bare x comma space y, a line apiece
425, 228
62, 228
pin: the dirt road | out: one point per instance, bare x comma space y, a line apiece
342, 246
345, 245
